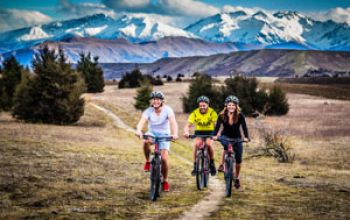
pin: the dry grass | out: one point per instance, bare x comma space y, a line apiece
87, 171
334, 91
93, 170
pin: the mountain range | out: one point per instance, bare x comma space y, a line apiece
142, 39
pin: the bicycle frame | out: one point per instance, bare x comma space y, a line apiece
156, 165
202, 162
229, 163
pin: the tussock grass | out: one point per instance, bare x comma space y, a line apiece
90, 170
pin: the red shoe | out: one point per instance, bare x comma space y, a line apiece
165, 186
147, 166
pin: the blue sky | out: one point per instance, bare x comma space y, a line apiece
173, 12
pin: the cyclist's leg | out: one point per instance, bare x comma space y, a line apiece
238, 148
165, 164
209, 143
164, 148
146, 149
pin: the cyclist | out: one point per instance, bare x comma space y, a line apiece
204, 119
158, 117
232, 119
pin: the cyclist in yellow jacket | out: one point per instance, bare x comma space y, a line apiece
204, 119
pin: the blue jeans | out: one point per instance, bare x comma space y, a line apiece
237, 148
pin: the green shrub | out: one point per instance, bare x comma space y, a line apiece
10, 78
277, 102
142, 96
93, 74
202, 85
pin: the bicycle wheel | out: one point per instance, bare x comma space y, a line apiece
206, 170
228, 175
199, 171
155, 178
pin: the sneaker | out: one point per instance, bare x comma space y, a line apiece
237, 183
165, 186
147, 166
221, 168
193, 172
212, 169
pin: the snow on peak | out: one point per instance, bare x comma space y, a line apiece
35, 33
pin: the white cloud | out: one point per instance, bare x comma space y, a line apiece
190, 8
11, 19
71, 10
338, 14
249, 11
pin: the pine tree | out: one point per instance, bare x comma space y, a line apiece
53, 94
93, 74
277, 102
143, 94
202, 85
10, 78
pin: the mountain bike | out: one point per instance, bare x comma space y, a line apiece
202, 162
229, 163
156, 165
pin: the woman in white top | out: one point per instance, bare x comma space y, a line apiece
158, 117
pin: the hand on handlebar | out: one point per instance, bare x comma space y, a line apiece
139, 134
175, 136
186, 134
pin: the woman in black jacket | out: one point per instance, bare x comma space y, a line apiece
232, 119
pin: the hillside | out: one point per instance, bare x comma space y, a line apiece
250, 63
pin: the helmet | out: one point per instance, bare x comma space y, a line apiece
203, 99
157, 94
232, 98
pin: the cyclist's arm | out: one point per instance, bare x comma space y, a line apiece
140, 126
245, 128
217, 126
174, 126
187, 129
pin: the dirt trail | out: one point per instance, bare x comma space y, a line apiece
203, 208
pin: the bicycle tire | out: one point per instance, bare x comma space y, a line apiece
155, 178
228, 174
199, 171
206, 170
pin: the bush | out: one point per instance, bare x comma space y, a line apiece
246, 89
131, 80
52, 94
278, 146
134, 79
154, 81
252, 99
277, 102
169, 78
202, 85
142, 96
93, 74
10, 78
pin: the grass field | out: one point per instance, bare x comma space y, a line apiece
93, 170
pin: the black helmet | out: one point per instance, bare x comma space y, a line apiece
232, 98
203, 99
157, 94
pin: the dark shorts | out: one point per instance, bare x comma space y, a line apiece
203, 133
237, 148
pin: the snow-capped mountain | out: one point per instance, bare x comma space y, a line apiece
132, 28
283, 28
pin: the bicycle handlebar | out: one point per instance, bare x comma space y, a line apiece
231, 140
158, 139
192, 136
